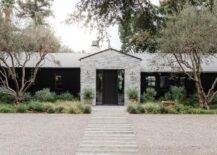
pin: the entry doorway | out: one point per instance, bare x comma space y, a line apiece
110, 87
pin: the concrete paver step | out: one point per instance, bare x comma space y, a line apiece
109, 132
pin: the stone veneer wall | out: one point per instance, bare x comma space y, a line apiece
110, 60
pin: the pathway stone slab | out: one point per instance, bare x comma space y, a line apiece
109, 132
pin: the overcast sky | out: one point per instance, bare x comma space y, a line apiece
73, 36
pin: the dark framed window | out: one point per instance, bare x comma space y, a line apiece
58, 82
151, 81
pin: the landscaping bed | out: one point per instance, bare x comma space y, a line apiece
71, 107
175, 101
44, 101
159, 108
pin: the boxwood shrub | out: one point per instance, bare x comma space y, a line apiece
66, 96
45, 95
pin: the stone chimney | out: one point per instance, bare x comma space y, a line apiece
94, 47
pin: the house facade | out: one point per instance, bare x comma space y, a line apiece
110, 62
110, 74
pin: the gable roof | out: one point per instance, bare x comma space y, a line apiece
90, 55
151, 62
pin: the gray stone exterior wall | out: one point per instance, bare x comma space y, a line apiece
110, 59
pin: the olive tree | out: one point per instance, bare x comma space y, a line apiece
6, 7
191, 38
21, 48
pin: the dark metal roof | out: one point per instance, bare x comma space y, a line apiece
112, 50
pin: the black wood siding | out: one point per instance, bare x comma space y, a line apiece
46, 79
175, 79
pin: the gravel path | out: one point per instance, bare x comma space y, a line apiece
37, 134
176, 134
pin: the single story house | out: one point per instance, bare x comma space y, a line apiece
110, 74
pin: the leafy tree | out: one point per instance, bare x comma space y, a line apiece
37, 10
191, 39
138, 20
19, 48
7, 7
139, 28
176, 6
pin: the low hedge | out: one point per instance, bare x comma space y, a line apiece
47, 107
157, 108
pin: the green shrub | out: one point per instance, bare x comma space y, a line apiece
149, 94
6, 98
6, 108
49, 107
191, 101
171, 110
180, 108
140, 109
66, 96
88, 96
152, 108
87, 109
132, 109
27, 97
80, 106
51, 110
74, 110
155, 108
201, 111
21, 108
36, 106
176, 94
213, 106
45, 95
133, 94
59, 109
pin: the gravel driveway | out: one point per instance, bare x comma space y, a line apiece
176, 134
37, 134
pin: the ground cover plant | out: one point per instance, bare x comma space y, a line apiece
174, 101
71, 107
44, 101
159, 108
133, 95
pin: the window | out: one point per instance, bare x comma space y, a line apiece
151, 81
58, 82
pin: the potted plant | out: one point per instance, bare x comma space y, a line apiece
88, 96
133, 96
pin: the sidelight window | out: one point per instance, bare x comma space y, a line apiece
151, 81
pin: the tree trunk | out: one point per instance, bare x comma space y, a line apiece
203, 101
19, 98
7, 13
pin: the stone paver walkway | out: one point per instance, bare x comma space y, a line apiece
109, 132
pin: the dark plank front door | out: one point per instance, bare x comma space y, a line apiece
110, 89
